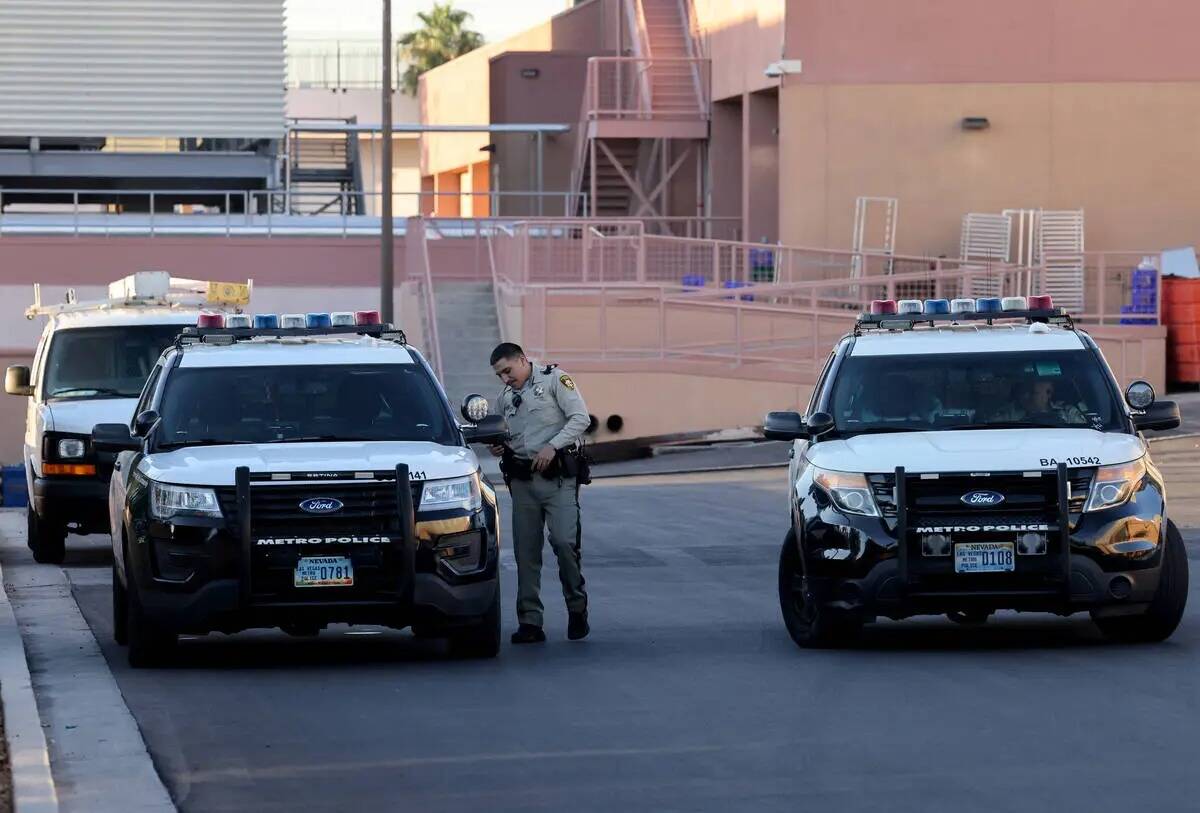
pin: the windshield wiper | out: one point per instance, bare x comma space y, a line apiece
205, 442
93, 391
321, 439
882, 430
1004, 425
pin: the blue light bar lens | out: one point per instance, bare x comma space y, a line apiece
988, 304
317, 320
266, 321
937, 306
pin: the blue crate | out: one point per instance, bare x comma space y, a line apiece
1131, 319
694, 281
13, 489
733, 283
1145, 279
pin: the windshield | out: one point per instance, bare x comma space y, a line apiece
294, 404
104, 362
1060, 389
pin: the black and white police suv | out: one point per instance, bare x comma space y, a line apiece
295, 472
971, 457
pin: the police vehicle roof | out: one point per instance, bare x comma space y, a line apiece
124, 317
966, 339
297, 351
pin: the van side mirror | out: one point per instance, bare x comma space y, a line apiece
1157, 417
144, 422
114, 438
16, 381
491, 430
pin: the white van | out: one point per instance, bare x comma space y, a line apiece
90, 366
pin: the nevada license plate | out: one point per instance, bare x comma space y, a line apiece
984, 557
324, 571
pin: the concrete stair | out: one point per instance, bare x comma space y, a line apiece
468, 330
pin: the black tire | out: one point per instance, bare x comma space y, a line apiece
149, 644
810, 625
1166, 608
48, 542
120, 600
483, 639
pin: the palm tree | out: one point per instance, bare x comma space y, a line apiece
440, 39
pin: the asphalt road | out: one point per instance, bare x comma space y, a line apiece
688, 696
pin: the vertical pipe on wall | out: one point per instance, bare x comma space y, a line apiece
386, 241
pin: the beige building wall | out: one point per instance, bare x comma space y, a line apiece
742, 37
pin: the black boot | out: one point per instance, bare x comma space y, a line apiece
577, 626
528, 634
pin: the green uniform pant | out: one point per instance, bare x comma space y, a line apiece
537, 505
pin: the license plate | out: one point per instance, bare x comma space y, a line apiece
324, 571
984, 557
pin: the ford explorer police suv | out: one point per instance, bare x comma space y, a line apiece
89, 367
296, 472
968, 457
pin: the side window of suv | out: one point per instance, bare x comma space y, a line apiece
820, 385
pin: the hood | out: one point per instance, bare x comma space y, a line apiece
215, 465
82, 414
976, 450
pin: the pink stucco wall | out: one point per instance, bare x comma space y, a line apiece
942, 41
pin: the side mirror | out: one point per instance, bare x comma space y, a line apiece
784, 426
819, 423
144, 422
1140, 394
114, 438
475, 408
1159, 416
491, 429
16, 381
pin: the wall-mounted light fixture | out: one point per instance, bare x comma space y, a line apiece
783, 67
975, 123
530, 73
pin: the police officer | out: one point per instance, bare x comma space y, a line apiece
546, 418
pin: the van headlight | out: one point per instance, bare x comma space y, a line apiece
850, 492
71, 449
167, 501
459, 492
1114, 485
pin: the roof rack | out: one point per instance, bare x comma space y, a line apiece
230, 335
907, 321
150, 289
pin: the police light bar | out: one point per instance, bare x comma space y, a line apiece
1014, 303
937, 306
880, 306
237, 320
1043, 302
987, 304
211, 320
266, 321
962, 306
906, 306
317, 320
342, 319
292, 320
366, 317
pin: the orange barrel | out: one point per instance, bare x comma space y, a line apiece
1181, 315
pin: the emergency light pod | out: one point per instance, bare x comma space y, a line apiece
292, 320
266, 321
317, 320
883, 306
987, 304
1043, 302
342, 319
962, 306
935, 306
366, 317
237, 320
1014, 303
910, 306
211, 320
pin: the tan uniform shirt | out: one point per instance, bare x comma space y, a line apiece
551, 412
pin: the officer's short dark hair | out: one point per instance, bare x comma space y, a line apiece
506, 350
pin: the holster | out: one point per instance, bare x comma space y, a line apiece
514, 468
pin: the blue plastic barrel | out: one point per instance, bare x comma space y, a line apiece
13, 489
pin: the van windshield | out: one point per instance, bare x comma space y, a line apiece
1055, 389
104, 362
302, 403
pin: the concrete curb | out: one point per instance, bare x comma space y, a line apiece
33, 784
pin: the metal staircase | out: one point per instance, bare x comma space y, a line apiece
324, 172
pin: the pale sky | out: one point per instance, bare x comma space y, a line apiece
361, 19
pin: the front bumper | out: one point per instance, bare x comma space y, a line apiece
197, 575
78, 502
1108, 562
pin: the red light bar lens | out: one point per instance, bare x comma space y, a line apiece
211, 320
366, 317
1041, 303
883, 306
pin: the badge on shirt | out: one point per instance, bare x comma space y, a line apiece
538, 391
567, 382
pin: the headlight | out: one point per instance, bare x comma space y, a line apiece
71, 449
167, 501
850, 492
461, 492
1114, 485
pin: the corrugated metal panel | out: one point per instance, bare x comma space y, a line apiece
186, 68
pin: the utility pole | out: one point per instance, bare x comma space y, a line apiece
386, 241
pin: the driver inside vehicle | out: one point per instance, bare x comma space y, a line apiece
1038, 399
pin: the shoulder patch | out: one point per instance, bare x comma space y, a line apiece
566, 381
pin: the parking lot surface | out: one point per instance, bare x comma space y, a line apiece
688, 695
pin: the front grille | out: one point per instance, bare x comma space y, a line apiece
367, 507
883, 486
